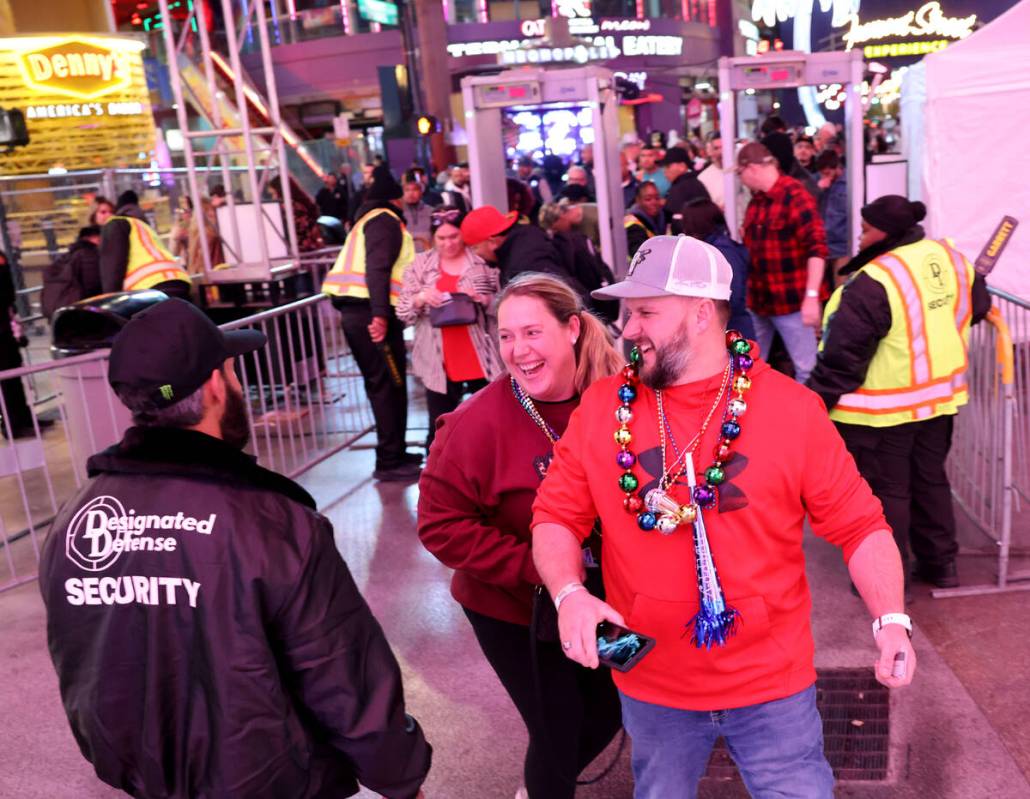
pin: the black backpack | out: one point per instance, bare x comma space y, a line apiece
61, 284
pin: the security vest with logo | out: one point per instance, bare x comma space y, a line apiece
347, 277
919, 369
150, 263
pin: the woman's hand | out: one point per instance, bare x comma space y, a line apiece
431, 297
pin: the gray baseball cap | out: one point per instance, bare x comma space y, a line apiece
679, 266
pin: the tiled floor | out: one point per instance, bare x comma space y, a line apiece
956, 734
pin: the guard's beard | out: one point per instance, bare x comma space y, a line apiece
234, 426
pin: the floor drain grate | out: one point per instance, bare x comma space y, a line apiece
856, 727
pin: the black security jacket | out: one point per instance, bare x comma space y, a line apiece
235, 658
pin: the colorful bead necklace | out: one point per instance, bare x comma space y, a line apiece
658, 510
527, 403
715, 621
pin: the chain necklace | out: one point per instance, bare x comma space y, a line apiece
527, 403
672, 473
658, 509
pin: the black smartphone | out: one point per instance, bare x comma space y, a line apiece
619, 648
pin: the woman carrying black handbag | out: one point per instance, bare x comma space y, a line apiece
446, 294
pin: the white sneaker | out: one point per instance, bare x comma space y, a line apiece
522, 793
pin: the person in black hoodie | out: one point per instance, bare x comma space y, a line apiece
513, 248
684, 187
74, 275
208, 638
862, 348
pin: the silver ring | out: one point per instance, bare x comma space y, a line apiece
566, 645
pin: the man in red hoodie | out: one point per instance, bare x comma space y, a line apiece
709, 561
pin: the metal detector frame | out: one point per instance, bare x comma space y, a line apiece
788, 70
589, 87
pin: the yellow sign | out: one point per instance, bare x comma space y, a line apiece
85, 101
926, 21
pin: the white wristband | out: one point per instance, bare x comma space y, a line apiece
562, 595
811, 293
892, 618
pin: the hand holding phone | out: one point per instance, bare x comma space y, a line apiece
619, 648
578, 618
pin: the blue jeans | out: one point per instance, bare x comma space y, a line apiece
778, 747
798, 338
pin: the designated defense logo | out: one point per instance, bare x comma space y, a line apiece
89, 542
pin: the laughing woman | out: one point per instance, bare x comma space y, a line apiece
474, 514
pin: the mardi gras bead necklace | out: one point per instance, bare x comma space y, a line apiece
527, 403
715, 620
657, 509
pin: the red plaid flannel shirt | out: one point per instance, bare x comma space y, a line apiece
782, 230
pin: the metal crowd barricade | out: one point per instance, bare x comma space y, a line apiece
989, 465
304, 396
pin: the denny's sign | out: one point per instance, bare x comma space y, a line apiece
81, 69
85, 101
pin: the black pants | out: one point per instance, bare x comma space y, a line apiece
389, 401
438, 404
904, 465
570, 721
18, 413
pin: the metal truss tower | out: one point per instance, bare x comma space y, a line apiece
260, 150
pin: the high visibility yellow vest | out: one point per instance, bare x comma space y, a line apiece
631, 220
149, 262
347, 277
919, 369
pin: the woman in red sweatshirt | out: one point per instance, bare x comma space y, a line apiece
474, 514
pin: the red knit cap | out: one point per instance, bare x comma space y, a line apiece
482, 223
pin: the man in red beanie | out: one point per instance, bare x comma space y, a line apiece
892, 371
513, 248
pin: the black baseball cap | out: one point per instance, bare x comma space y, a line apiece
170, 350
675, 155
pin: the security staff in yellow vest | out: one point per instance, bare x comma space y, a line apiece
892, 372
133, 257
364, 284
645, 218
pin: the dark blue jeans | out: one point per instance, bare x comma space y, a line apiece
778, 747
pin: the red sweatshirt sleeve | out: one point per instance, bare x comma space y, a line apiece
564, 497
841, 507
451, 518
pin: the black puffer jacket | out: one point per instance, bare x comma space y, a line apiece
213, 644
527, 248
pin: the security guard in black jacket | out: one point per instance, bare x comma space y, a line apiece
209, 639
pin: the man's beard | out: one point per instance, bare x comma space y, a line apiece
671, 360
233, 425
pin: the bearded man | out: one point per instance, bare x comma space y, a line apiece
208, 637
703, 464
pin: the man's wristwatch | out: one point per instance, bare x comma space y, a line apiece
893, 618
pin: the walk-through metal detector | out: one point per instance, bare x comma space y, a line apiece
788, 70
487, 97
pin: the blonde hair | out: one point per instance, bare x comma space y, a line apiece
595, 355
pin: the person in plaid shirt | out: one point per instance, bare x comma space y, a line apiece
787, 243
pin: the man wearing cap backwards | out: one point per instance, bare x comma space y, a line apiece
364, 285
714, 573
892, 371
513, 248
787, 242
208, 637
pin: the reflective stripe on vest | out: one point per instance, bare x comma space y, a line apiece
919, 369
628, 223
149, 263
347, 277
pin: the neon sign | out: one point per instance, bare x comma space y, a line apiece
78, 68
770, 12
928, 20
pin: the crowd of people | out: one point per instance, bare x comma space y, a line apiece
662, 490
